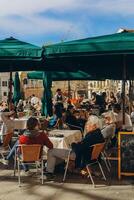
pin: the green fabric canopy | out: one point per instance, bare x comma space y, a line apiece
47, 95
60, 76
17, 93
16, 55
101, 56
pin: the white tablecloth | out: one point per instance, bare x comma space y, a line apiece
69, 136
20, 123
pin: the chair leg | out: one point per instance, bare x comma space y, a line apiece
15, 164
64, 177
42, 175
18, 162
90, 175
102, 171
105, 154
105, 160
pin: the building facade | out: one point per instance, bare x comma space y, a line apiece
4, 85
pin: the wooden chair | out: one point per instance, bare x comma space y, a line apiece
30, 154
96, 151
5, 148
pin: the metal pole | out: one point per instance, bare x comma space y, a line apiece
123, 87
10, 89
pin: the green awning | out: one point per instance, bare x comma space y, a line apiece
102, 56
16, 55
114, 43
60, 76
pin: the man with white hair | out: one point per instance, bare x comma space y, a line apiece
82, 150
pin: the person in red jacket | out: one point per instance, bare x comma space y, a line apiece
33, 135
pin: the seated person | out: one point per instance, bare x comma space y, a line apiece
132, 114
8, 122
72, 119
89, 114
81, 151
119, 118
52, 121
108, 131
32, 136
20, 106
80, 121
93, 136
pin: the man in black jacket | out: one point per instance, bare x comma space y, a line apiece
83, 149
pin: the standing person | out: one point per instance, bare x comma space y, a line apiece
58, 103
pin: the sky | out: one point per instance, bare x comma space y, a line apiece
43, 22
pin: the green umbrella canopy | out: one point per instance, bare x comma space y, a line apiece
102, 56
16, 55
17, 93
60, 76
46, 109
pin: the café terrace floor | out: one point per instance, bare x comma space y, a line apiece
74, 188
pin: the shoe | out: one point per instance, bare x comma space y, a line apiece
49, 176
4, 161
84, 171
26, 173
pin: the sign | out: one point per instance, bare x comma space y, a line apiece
125, 154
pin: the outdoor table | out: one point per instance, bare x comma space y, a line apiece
20, 123
63, 138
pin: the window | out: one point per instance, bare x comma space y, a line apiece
4, 83
4, 93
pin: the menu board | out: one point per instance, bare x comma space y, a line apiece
126, 154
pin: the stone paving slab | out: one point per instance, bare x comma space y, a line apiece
75, 188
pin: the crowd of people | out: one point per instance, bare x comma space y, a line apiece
94, 128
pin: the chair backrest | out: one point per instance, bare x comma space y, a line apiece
97, 149
31, 152
7, 139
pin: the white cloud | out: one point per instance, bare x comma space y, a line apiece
30, 22
121, 7
31, 7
